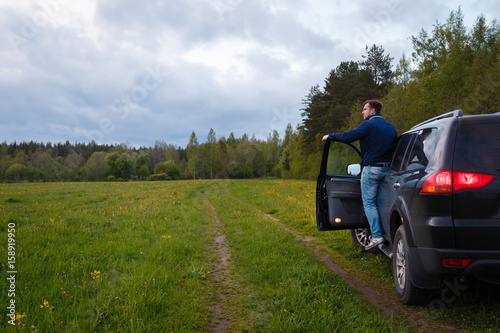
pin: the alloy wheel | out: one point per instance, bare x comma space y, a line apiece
362, 236
401, 264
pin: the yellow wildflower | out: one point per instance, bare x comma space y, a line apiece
20, 316
46, 305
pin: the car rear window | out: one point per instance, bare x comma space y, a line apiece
478, 148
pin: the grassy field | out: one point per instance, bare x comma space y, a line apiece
139, 256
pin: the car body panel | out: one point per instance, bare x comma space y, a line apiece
476, 212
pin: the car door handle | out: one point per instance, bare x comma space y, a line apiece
397, 185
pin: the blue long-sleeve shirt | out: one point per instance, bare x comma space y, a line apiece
376, 139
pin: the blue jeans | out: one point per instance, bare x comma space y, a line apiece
371, 187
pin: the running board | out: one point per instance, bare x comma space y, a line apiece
384, 248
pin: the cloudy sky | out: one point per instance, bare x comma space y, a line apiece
139, 71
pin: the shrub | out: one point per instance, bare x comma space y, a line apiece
172, 170
143, 172
159, 176
18, 172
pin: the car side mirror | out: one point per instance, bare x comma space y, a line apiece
354, 169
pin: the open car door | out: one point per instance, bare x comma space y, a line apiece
338, 189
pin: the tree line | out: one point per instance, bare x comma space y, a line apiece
451, 67
216, 158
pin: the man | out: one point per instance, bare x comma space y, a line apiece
376, 137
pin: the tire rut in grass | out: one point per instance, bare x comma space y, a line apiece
386, 301
221, 276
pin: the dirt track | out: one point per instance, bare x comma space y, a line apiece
377, 295
382, 297
221, 277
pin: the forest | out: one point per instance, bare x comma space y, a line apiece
451, 67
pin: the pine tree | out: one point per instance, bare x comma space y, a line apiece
379, 65
192, 151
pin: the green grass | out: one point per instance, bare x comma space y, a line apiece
104, 257
137, 257
474, 307
294, 204
290, 290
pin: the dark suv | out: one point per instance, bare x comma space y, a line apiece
440, 202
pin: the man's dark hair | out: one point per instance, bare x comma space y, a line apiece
374, 104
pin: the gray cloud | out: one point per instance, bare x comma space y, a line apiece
136, 72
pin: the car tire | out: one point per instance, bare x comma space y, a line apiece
362, 236
407, 292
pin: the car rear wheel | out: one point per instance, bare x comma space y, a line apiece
407, 292
362, 236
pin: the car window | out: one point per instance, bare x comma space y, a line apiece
423, 149
399, 154
340, 156
478, 148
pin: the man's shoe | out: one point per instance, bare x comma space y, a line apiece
374, 242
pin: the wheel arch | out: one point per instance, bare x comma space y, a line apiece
400, 216
394, 223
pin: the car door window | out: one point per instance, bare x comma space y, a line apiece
341, 155
400, 152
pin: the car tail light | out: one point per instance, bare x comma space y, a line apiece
468, 180
438, 183
447, 182
457, 262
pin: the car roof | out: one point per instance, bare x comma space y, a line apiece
456, 114
481, 118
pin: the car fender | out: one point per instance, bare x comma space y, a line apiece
401, 208
418, 273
